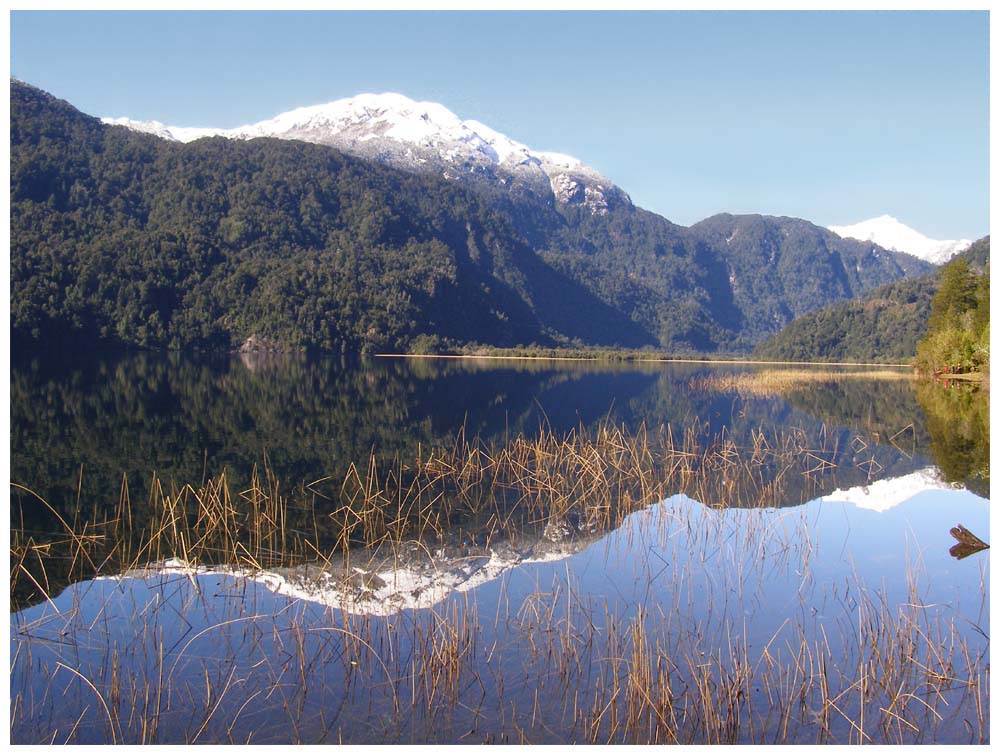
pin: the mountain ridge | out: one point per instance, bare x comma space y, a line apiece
122, 235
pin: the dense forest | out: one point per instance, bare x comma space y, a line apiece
889, 323
122, 236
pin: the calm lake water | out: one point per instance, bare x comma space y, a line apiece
838, 614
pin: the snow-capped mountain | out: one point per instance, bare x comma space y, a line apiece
420, 137
888, 232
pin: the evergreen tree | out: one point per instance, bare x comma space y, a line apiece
958, 330
955, 296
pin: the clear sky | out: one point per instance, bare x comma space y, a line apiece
835, 117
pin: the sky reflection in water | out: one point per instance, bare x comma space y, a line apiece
706, 575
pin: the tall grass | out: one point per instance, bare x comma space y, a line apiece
585, 480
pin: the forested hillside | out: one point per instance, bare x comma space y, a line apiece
123, 236
887, 324
881, 326
781, 268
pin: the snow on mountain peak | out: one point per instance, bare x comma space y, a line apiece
563, 161
395, 115
147, 127
418, 136
888, 232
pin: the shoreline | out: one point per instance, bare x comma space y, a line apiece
652, 360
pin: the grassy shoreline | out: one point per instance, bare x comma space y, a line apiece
626, 357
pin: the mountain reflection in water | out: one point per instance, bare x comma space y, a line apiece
419, 575
78, 428
797, 588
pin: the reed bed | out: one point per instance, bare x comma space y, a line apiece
763, 383
584, 481
690, 652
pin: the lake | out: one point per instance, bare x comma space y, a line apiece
278, 549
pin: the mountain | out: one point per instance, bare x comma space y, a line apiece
882, 325
780, 268
977, 255
148, 240
888, 232
420, 136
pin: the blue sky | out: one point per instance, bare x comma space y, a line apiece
834, 117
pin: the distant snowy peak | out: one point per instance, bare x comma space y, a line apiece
888, 232
420, 137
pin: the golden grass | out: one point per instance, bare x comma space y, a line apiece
778, 382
